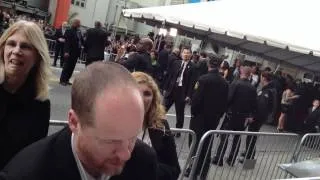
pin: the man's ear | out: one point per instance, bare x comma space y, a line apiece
73, 121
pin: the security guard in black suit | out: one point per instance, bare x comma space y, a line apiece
264, 108
242, 103
179, 86
209, 103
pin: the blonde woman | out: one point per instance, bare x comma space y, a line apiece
24, 104
156, 132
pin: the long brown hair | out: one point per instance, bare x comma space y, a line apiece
156, 114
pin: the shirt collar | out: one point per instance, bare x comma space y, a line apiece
83, 173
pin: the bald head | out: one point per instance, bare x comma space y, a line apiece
76, 23
97, 78
176, 51
245, 72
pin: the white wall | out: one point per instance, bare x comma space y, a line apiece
150, 3
94, 10
52, 9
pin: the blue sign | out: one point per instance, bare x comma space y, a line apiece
194, 1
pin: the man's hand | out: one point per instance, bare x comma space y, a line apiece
61, 40
250, 120
66, 55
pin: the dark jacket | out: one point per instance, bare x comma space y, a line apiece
163, 142
58, 34
95, 43
209, 100
202, 67
312, 122
23, 120
189, 78
52, 159
265, 102
242, 98
71, 45
163, 59
139, 61
172, 58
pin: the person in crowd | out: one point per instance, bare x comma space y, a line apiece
60, 40
95, 43
164, 58
254, 77
209, 103
157, 73
312, 122
24, 79
72, 50
100, 141
156, 131
202, 67
225, 71
264, 108
236, 69
141, 60
173, 56
242, 103
288, 96
179, 86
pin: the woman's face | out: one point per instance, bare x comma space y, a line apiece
19, 55
147, 96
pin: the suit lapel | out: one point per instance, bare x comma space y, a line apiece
64, 164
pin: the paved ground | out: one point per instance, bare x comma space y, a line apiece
271, 150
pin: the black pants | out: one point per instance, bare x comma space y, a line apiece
235, 123
252, 140
177, 97
59, 50
92, 60
68, 68
200, 128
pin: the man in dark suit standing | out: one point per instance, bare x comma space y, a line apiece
141, 60
209, 103
100, 140
60, 40
95, 43
242, 104
72, 50
179, 86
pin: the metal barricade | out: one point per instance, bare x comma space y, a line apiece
182, 143
183, 149
265, 152
51, 46
309, 148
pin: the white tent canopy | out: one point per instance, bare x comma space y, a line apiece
282, 30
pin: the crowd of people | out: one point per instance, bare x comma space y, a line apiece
144, 81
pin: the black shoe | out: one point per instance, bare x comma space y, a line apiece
215, 161
178, 135
241, 161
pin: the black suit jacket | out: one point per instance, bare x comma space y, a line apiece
52, 159
189, 78
58, 34
139, 61
163, 142
72, 42
95, 43
209, 101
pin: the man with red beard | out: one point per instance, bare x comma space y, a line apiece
100, 143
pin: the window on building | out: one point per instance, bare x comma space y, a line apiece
79, 3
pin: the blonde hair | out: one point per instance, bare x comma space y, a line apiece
37, 39
156, 114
